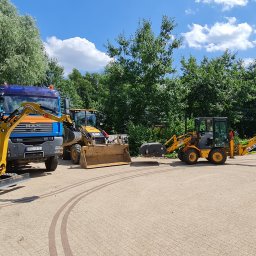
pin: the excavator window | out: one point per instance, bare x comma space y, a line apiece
91, 120
204, 128
79, 118
220, 133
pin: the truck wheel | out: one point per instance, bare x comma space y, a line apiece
66, 154
190, 156
75, 153
217, 156
51, 163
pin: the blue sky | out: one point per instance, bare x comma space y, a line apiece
75, 32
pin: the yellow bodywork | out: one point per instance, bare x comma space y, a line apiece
242, 150
90, 129
8, 124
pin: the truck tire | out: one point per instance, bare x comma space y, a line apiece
66, 154
51, 163
217, 156
75, 153
190, 156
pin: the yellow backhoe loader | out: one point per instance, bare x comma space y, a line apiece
94, 149
7, 124
211, 140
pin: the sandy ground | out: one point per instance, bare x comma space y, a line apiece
153, 207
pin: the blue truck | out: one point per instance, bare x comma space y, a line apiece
36, 139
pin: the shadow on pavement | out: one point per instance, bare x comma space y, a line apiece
22, 200
144, 163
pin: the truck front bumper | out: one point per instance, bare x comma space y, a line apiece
35, 152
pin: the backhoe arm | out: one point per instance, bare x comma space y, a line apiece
8, 124
243, 150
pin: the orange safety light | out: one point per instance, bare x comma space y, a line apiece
51, 87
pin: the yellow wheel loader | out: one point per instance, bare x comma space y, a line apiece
7, 124
210, 140
93, 149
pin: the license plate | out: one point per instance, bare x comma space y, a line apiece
33, 149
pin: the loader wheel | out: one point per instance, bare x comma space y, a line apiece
181, 155
75, 153
217, 156
66, 154
190, 156
51, 163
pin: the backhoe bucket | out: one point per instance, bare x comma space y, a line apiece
95, 156
9, 180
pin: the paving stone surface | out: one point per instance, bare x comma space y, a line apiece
153, 207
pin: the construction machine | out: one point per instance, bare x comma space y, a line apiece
94, 148
8, 124
35, 139
209, 140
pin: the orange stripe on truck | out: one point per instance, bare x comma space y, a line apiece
37, 119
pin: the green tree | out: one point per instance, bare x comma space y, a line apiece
137, 86
211, 86
22, 57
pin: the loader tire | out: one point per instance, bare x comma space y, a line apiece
181, 155
51, 163
190, 156
75, 153
217, 156
66, 154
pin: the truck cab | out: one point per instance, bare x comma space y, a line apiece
36, 139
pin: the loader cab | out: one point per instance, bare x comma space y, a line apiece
211, 132
83, 117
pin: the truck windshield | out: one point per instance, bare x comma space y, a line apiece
9, 103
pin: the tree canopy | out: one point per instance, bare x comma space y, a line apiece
22, 57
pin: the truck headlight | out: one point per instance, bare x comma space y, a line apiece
58, 149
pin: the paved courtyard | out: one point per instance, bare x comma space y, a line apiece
143, 209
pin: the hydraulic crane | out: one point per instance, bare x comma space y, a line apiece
7, 124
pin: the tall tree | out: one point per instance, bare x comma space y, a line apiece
137, 76
211, 86
22, 57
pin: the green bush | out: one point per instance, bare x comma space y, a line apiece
138, 134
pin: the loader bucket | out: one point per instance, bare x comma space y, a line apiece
95, 156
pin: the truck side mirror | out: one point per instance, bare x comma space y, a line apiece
66, 106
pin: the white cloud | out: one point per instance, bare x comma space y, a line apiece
221, 36
227, 4
248, 61
190, 12
76, 53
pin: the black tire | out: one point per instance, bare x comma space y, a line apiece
217, 156
181, 154
75, 152
190, 156
51, 163
66, 154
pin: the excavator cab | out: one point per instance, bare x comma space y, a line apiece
85, 120
211, 132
